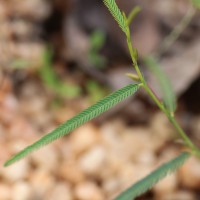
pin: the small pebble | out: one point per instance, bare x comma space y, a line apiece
5, 192
22, 191
189, 174
84, 138
111, 186
179, 195
19, 171
131, 173
42, 182
61, 191
167, 185
46, 158
161, 127
88, 191
93, 161
36, 10
146, 157
71, 172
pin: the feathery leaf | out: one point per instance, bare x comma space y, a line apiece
169, 97
81, 118
150, 180
116, 13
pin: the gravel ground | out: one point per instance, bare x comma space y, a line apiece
95, 162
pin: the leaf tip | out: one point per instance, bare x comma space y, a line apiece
7, 163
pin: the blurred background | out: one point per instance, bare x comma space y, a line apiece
57, 58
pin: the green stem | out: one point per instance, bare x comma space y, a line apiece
130, 47
170, 116
189, 143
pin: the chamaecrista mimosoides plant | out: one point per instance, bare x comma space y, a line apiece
168, 107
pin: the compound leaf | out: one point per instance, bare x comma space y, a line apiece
83, 117
150, 180
116, 13
169, 97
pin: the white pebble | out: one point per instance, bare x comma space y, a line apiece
166, 185
88, 191
71, 172
84, 138
17, 171
180, 195
111, 186
190, 174
46, 157
5, 192
21, 191
62, 191
93, 161
42, 182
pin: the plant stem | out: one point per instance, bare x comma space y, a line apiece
181, 132
171, 118
130, 47
169, 115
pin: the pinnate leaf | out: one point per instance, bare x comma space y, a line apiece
150, 180
116, 13
169, 97
81, 118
